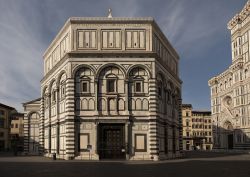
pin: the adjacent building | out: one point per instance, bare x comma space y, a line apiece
111, 89
197, 129
16, 131
5, 120
31, 127
230, 90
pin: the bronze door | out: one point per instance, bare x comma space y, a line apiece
111, 141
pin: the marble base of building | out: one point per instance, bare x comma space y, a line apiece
93, 156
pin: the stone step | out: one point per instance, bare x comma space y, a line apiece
242, 146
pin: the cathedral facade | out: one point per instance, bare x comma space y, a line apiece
230, 90
111, 90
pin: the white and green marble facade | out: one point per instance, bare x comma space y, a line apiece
230, 90
75, 97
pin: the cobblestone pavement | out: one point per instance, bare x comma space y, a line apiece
200, 164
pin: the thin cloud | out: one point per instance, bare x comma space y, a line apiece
20, 55
194, 28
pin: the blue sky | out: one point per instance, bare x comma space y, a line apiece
196, 28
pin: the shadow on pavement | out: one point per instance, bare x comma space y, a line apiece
9, 154
85, 169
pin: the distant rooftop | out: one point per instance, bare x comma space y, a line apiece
201, 111
187, 105
196, 111
17, 115
6, 106
37, 99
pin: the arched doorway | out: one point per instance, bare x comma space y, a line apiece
229, 134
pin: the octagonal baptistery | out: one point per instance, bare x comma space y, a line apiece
111, 90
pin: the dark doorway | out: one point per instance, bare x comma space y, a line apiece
230, 141
2, 145
111, 141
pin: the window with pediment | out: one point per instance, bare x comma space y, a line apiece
138, 79
84, 81
111, 83
138, 85
85, 84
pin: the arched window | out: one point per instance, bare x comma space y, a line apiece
84, 79
246, 73
62, 86
160, 90
53, 96
168, 97
111, 81
160, 82
53, 92
62, 89
138, 78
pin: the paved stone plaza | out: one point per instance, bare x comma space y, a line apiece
205, 164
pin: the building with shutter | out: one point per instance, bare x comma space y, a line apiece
16, 131
197, 129
31, 128
5, 120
